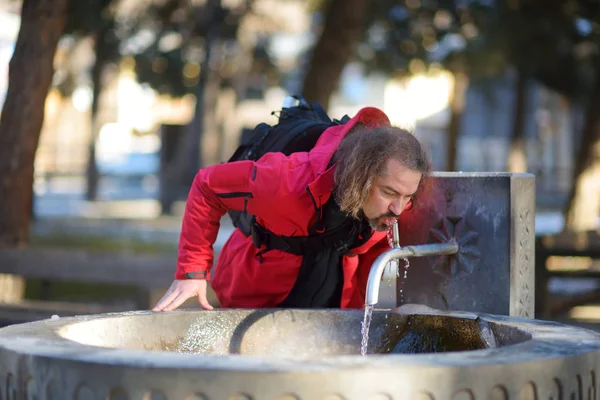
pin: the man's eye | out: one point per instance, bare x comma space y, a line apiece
388, 193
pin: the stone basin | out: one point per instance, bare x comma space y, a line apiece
296, 354
290, 334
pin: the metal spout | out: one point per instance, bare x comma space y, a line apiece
395, 235
437, 249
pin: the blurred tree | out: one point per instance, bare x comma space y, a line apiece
477, 40
558, 45
410, 38
96, 19
536, 39
186, 50
30, 76
583, 205
342, 28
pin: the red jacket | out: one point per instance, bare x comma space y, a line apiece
276, 190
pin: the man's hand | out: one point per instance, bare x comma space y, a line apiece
180, 291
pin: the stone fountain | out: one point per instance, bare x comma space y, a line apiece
490, 349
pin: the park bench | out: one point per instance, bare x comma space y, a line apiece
566, 255
148, 275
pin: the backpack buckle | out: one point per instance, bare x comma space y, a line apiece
256, 234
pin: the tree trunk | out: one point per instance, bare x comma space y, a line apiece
171, 137
193, 159
105, 47
344, 20
193, 152
457, 106
92, 175
517, 159
212, 140
30, 74
583, 205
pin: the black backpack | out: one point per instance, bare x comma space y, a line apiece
298, 129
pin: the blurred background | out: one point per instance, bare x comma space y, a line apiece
145, 92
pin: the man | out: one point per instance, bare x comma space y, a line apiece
321, 219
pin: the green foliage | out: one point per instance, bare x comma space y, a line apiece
163, 71
316, 5
174, 59
87, 16
93, 18
399, 33
538, 39
542, 39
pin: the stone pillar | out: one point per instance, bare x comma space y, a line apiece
492, 217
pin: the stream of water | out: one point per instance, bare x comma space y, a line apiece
364, 329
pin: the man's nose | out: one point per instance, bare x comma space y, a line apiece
396, 207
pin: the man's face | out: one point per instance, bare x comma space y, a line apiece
390, 194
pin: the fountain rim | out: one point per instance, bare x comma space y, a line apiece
548, 340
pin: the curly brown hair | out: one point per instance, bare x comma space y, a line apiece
361, 157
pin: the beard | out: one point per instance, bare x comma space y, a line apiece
379, 224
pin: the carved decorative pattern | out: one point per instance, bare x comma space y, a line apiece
154, 395
381, 396
423, 396
84, 393
196, 396
288, 396
31, 392
499, 393
524, 262
581, 386
578, 389
467, 257
463, 394
52, 389
11, 388
528, 392
241, 396
118, 394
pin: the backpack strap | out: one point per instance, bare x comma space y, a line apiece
340, 239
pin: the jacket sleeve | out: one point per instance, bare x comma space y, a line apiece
215, 190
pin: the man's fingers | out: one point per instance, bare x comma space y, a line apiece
204, 302
179, 292
177, 301
165, 300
